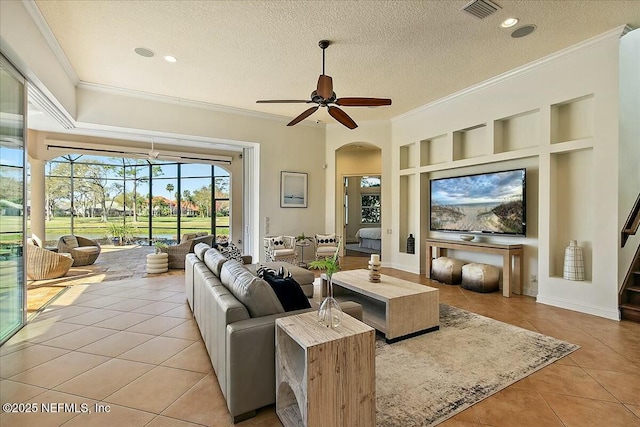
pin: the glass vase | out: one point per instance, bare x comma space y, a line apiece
330, 313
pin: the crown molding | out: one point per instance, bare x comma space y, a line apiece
56, 49
188, 103
615, 33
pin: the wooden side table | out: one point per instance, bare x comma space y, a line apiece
325, 376
157, 263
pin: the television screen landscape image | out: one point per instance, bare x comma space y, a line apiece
483, 203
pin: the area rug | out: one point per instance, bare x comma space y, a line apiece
423, 381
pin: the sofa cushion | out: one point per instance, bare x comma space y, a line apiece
287, 290
70, 241
253, 292
200, 249
214, 261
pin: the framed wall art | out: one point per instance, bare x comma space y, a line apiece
293, 190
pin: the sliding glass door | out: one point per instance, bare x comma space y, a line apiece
12, 200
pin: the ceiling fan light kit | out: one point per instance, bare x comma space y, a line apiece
324, 96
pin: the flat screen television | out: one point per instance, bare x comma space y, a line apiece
492, 203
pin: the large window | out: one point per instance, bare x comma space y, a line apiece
12, 200
370, 199
90, 195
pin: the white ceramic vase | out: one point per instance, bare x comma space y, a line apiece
573, 262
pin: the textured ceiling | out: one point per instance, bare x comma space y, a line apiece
233, 53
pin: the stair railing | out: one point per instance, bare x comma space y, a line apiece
633, 222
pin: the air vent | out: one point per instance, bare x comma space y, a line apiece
480, 8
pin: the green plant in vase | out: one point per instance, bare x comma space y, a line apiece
159, 246
329, 313
120, 233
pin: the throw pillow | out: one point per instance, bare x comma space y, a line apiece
230, 251
287, 290
326, 239
70, 241
277, 241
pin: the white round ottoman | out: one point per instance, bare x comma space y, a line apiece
157, 263
480, 277
447, 270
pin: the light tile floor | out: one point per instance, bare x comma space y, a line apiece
132, 345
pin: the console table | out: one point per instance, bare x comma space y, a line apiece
325, 376
511, 259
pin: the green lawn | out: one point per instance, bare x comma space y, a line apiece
162, 226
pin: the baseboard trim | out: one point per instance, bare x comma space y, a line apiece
581, 308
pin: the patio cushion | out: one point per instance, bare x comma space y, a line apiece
87, 249
70, 241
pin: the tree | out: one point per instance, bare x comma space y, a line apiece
57, 187
131, 172
202, 199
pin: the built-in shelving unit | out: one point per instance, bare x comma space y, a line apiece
435, 150
516, 132
556, 137
572, 120
408, 156
471, 142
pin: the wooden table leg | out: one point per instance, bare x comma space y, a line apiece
517, 273
429, 261
506, 275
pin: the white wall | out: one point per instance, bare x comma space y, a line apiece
590, 69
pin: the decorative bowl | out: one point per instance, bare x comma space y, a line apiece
467, 237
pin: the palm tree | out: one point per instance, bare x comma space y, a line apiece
170, 188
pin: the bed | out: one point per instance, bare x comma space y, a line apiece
370, 238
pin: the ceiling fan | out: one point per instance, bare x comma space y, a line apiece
324, 96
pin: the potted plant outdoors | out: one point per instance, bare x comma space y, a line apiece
160, 245
120, 233
329, 313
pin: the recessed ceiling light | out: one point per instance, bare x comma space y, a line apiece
143, 51
509, 22
170, 58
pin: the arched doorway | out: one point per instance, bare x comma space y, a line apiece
359, 198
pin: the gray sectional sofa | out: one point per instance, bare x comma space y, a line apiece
236, 312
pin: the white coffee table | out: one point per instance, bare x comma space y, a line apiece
398, 308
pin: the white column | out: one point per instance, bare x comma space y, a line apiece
37, 196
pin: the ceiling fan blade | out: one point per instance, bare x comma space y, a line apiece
303, 116
342, 117
325, 86
283, 101
363, 102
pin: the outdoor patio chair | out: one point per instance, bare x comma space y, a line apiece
84, 251
177, 253
45, 264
